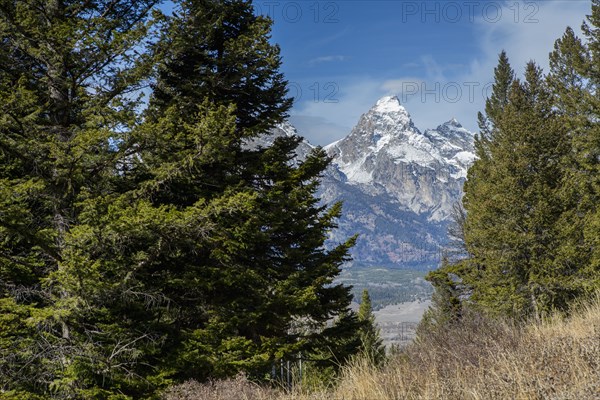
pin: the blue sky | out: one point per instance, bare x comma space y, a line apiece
437, 56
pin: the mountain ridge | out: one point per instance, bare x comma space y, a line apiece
398, 184
385, 148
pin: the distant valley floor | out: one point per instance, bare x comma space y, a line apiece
399, 298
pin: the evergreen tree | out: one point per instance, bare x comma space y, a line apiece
369, 333
218, 49
280, 278
513, 207
67, 73
531, 229
512, 210
574, 77
503, 79
447, 300
450, 281
142, 249
586, 144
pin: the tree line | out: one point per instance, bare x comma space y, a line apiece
528, 228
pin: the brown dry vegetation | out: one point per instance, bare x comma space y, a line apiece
481, 359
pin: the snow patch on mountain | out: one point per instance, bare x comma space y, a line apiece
284, 129
398, 184
389, 104
386, 153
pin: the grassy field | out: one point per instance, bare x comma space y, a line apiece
555, 358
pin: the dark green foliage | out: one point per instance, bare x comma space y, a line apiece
142, 248
273, 281
504, 77
447, 300
55, 151
512, 214
218, 49
575, 80
531, 228
372, 344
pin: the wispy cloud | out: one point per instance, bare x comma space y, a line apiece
438, 90
411, 65
326, 59
402, 86
334, 37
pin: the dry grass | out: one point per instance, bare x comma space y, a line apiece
233, 389
480, 359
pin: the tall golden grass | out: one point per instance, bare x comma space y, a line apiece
479, 359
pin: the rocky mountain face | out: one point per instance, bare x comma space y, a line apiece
398, 184
386, 154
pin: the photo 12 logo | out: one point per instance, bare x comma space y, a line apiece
315, 92
319, 12
447, 92
455, 11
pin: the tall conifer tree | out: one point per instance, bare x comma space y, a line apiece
512, 202
145, 248
574, 79
369, 333
67, 73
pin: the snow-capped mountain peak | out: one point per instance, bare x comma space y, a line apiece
388, 104
386, 153
388, 110
451, 137
398, 184
454, 126
386, 121
453, 122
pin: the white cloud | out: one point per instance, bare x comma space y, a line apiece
324, 59
527, 39
402, 86
520, 36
